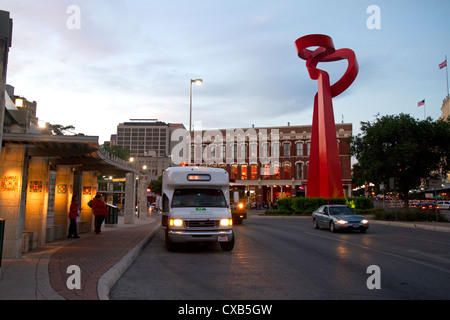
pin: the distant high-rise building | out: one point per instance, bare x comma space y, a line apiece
144, 137
148, 141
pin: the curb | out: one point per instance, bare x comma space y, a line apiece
109, 278
411, 225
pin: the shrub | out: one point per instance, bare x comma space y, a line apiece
362, 203
407, 214
285, 204
301, 205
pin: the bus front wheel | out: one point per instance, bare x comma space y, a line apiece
227, 246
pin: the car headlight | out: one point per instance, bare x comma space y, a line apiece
241, 205
175, 222
364, 221
342, 221
226, 222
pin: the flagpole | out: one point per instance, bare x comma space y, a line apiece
424, 112
446, 72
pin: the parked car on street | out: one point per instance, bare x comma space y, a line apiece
429, 206
338, 217
444, 204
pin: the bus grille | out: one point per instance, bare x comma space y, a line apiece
201, 223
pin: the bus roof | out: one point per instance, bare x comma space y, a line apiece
195, 176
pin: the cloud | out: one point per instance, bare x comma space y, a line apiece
135, 60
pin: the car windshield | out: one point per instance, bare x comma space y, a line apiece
198, 198
337, 211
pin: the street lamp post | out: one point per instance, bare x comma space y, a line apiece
196, 81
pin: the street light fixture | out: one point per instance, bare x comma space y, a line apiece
198, 82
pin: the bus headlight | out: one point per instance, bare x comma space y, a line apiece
176, 222
226, 222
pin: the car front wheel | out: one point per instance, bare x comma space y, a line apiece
332, 227
315, 224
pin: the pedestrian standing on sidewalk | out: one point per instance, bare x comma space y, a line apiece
73, 215
100, 212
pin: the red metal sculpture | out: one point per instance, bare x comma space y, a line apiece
324, 173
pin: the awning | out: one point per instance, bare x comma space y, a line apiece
83, 152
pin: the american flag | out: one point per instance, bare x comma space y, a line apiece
421, 103
443, 64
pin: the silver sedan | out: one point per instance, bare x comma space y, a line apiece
338, 217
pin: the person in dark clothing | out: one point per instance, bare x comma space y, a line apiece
100, 212
73, 215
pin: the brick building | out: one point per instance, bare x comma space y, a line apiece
271, 162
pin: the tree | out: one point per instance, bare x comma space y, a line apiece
401, 149
58, 129
156, 185
119, 151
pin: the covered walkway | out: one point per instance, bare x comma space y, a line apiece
39, 175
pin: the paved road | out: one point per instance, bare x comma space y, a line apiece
285, 258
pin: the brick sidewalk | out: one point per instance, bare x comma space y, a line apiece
95, 255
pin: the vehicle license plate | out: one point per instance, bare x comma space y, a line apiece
222, 238
356, 225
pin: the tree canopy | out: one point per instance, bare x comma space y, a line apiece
57, 129
119, 151
156, 185
402, 149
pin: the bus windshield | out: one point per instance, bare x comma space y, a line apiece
196, 197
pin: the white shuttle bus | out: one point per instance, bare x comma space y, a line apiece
196, 206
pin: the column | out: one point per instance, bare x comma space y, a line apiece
142, 195
88, 192
13, 172
130, 198
37, 198
110, 194
63, 197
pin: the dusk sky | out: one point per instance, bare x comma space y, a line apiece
113, 60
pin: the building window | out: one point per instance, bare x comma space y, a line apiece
222, 150
253, 150
286, 170
192, 152
276, 171
299, 148
243, 171
204, 153
308, 147
234, 151
286, 149
253, 171
265, 149
234, 171
275, 149
299, 170
243, 148
266, 171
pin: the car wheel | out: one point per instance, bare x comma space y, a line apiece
332, 227
315, 224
